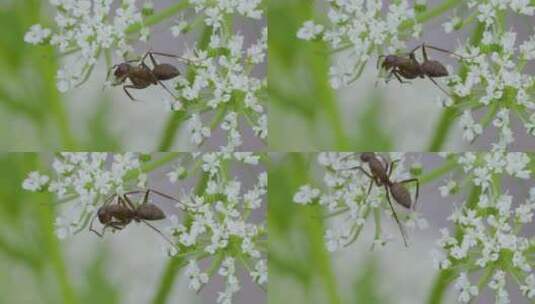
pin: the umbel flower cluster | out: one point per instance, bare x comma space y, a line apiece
494, 72
221, 73
488, 242
220, 220
344, 194
362, 28
219, 224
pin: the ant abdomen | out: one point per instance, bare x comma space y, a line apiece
433, 68
165, 71
401, 195
150, 212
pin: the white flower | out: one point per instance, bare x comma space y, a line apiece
309, 31
466, 291
447, 189
471, 129
336, 238
196, 277
306, 195
528, 290
345, 193
35, 181
360, 27
219, 225
36, 34
490, 230
89, 178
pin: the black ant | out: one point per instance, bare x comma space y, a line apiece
141, 76
403, 67
381, 172
120, 214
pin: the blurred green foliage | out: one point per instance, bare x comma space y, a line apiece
303, 106
29, 100
32, 265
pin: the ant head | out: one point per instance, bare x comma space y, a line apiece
366, 156
390, 61
121, 71
103, 216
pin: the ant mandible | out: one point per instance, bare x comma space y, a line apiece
381, 173
403, 67
123, 212
141, 76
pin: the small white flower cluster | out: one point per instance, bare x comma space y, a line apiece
224, 83
90, 27
495, 73
488, 233
219, 223
88, 178
362, 27
345, 194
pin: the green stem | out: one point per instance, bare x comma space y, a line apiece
171, 270
437, 10
440, 286
176, 119
177, 262
52, 247
56, 259
148, 167
320, 255
171, 126
438, 172
432, 13
158, 17
449, 114
442, 129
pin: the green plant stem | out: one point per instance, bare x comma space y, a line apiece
176, 119
440, 285
175, 264
52, 249
449, 115
171, 126
445, 276
438, 172
51, 244
320, 255
150, 166
168, 278
56, 259
437, 10
159, 16
442, 129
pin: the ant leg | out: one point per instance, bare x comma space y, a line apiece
159, 232
392, 163
168, 91
93, 230
415, 49
170, 55
117, 225
411, 180
171, 198
443, 50
442, 89
361, 169
401, 230
125, 87
127, 202
395, 73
